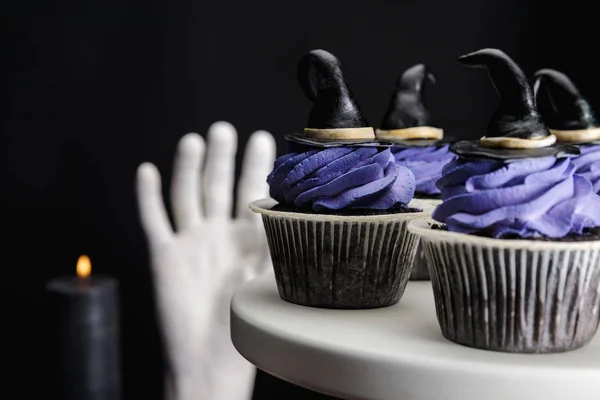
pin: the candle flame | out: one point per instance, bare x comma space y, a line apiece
84, 266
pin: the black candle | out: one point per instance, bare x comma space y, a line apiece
84, 313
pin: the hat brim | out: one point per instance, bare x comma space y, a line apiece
316, 142
406, 143
474, 150
592, 143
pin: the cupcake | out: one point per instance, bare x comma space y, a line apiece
571, 118
514, 248
336, 220
419, 143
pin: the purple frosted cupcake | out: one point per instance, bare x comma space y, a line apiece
514, 247
336, 220
418, 143
571, 118
426, 163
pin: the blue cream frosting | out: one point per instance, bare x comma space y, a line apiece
588, 164
525, 198
338, 178
426, 163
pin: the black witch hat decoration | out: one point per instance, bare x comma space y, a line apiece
516, 129
565, 110
407, 116
335, 118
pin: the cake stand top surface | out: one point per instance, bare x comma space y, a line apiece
395, 352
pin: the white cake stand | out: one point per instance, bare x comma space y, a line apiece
395, 353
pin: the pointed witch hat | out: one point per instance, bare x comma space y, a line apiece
516, 129
516, 123
565, 110
335, 118
407, 116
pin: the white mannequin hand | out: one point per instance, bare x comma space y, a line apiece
197, 269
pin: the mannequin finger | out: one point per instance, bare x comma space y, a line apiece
258, 162
153, 213
219, 171
185, 187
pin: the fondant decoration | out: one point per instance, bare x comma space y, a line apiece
417, 132
407, 117
565, 110
423, 142
518, 143
516, 122
322, 142
473, 149
335, 114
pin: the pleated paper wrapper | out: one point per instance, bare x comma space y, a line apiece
342, 262
513, 295
420, 270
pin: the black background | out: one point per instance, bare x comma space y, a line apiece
93, 88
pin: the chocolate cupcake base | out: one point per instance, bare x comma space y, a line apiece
341, 262
513, 295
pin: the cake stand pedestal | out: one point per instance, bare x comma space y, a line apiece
395, 353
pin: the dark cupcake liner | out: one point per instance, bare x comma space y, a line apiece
513, 296
342, 262
420, 270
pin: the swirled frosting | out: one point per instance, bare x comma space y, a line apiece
340, 178
588, 165
426, 163
526, 198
